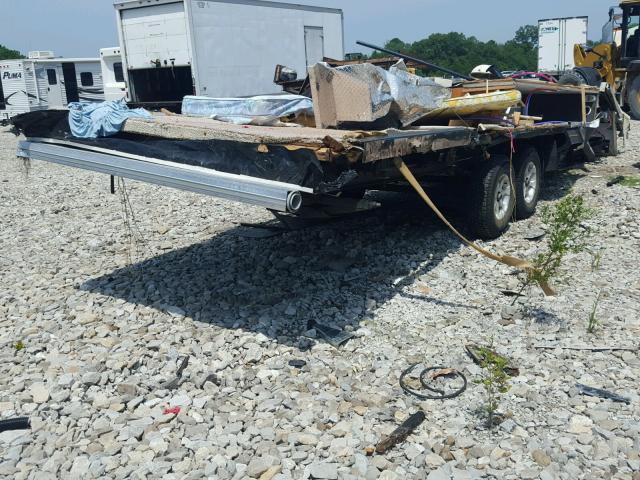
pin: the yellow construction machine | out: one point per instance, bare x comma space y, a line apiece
616, 60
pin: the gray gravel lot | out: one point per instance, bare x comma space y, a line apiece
105, 324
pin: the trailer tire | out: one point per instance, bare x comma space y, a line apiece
581, 76
633, 97
492, 200
571, 78
528, 182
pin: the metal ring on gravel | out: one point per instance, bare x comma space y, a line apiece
441, 394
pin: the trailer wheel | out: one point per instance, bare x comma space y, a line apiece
571, 78
633, 97
492, 200
528, 170
581, 76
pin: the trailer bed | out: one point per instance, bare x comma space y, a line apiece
331, 144
328, 144
280, 168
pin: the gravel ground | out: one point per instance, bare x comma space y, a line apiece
94, 327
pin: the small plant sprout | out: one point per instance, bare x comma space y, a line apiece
628, 181
596, 260
593, 321
495, 380
564, 235
19, 345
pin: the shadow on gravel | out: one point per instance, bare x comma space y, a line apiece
336, 274
558, 184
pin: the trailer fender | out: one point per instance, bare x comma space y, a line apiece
549, 153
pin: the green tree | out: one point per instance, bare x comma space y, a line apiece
397, 45
7, 54
527, 36
458, 52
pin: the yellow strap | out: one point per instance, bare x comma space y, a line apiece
505, 259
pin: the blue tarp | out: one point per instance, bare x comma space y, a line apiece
258, 110
93, 120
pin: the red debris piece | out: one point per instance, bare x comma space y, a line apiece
174, 410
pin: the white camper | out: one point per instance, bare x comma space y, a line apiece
556, 39
219, 48
43, 81
115, 87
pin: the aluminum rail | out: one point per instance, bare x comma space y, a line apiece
274, 195
416, 60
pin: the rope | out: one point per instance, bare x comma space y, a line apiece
504, 259
512, 150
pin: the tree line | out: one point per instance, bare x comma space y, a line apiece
8, 54
461, 53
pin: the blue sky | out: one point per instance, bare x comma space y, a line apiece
81, 27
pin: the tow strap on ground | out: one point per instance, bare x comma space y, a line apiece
504, 259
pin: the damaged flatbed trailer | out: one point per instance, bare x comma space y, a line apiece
312, 171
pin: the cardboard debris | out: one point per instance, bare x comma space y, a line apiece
365, 93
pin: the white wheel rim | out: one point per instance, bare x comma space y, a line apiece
503, 197
530, 184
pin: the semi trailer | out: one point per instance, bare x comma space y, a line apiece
556, 40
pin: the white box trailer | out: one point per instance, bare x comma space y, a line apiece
219, 48
556, 40
43, 81
115, 86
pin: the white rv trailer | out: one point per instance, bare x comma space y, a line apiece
115, 87
556, 40
43, 81
219, 48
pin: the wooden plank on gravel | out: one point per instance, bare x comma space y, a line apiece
526, 86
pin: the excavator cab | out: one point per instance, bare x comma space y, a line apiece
612, 30
628, 69
630, 38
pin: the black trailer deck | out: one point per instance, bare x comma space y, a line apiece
287, 168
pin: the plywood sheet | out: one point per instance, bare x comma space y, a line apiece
181, 127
